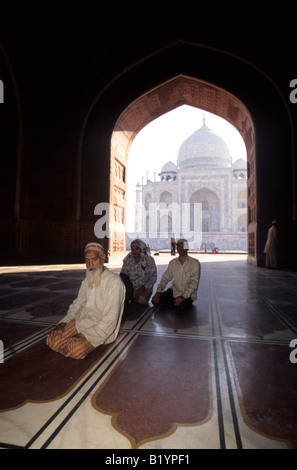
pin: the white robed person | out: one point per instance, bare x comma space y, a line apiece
270, 248
94, 317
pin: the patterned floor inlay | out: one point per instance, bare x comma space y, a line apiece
216, 377
39, 374
163, 382
12, 332
178, 320
267, 383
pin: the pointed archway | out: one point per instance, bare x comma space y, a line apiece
160, 100
202, 76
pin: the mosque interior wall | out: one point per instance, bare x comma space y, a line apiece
57, 136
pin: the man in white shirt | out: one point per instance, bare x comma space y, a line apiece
94, 317
184, 271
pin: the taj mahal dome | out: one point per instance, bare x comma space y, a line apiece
201, 197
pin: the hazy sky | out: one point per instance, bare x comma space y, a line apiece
159, 142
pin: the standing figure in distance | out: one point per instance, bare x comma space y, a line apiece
173, 244
270, 248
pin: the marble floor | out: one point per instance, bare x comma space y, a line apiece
221, 376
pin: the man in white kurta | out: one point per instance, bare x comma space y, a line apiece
184, 272
94, 317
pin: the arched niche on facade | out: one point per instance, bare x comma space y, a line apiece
207, 202
166, 197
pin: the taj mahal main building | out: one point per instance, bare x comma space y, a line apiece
203, 197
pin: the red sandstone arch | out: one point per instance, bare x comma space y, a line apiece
167, 96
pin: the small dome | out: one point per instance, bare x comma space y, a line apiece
204, 148
168, 172
240, 164
169, 167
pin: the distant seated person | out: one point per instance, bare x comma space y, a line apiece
94, 317
139, 273
184, 272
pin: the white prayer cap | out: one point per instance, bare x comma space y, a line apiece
94, 246
184, 242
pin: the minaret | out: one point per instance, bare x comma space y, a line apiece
138, 209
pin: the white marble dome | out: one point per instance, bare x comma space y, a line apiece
240, 164
169, 167
204, 148
168, 172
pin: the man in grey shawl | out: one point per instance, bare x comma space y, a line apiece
140, 269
